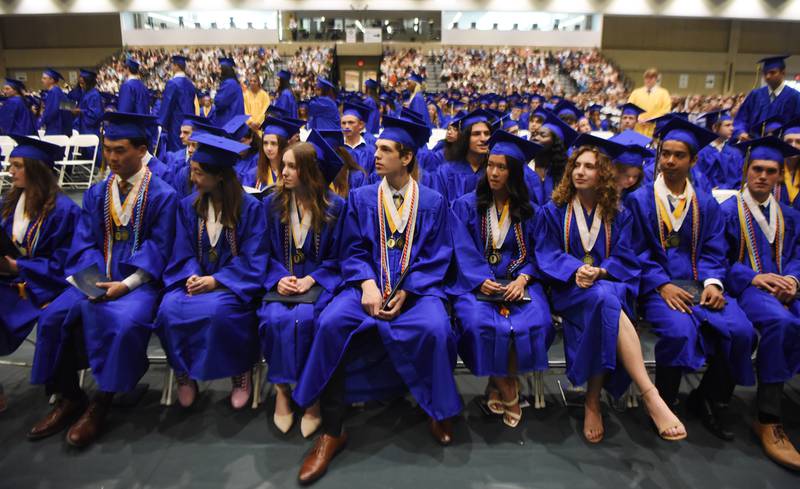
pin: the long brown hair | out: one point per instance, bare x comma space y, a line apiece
607, 194
263, 161
41, 190
312, 183
342, 181
231, 195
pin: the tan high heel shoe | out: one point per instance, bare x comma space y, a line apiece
283, 422
510, 418
662, 430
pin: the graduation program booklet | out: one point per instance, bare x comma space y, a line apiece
499, 297
259, 194
309, 297
691, 286
7, 246
86, 279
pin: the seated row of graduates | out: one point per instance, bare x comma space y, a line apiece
194, 271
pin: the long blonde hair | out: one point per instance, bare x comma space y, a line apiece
607, 193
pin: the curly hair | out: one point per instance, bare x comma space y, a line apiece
608, 196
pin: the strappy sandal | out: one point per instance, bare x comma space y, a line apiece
510, 418
662, 430
495, 404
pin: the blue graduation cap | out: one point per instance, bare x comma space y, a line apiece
325, 83
227, 62
476, 116
215, 150
208, 128
635, 148
631, 109
506, 144
567, 108
203, 94
127, 125
132, 64
791, 127
411, 114
280, 127
303, 103
684, 131
715, 116
329, 161
370, 83
594, 108
662, 121
277, 111
237, 127
15, 84
191, 120
416, 78
538, 97
560, 128
334, 137
767, 126
773, 62
410, 134
179, 60
53, 74
284, 75
768, 148
84, 73
35, 149
508, 123
605, 146
356, 110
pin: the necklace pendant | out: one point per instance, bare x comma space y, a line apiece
588, 259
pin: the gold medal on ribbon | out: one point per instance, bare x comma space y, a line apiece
588, 260
673, 240
400, 242
391, 243
494, 258
298, 257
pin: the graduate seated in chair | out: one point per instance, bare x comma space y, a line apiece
39, 220
394, 255
679, 238
302, 241
583, 248
503, 314
278, 134
125, 233
207, 319
763, 238
788, 186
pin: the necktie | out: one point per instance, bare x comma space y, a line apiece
124, 187
765, 211
398, 200
771, 97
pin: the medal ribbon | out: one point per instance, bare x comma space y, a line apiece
748, 237
665, 224
383, 217
138, 216
568, 225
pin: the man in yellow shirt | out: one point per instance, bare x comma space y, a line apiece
653, 99
256, 101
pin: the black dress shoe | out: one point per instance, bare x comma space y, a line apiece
710, 415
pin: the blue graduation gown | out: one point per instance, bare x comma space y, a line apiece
778, 358
177, 101
286, 330
181, 182
722, 169
56, 120
783, 196
208, 113
133, 97
591, 316
287, 102
16, 117
116, 332
160, 169
323, 113
213, 335
42, 272
91, 115
418, 105
247, 165
364, 155
228, 102
757, 107
544, 190
696, 175
486, 336
681, 342
416, 350
373, 125
175, 160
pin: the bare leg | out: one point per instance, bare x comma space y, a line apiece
592, 415
509, 391
630, 352
283, 403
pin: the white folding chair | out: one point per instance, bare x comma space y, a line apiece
83, 164
6, 146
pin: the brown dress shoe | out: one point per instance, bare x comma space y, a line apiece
62, 415
777, 445
442, 431
86, 429
316, 462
